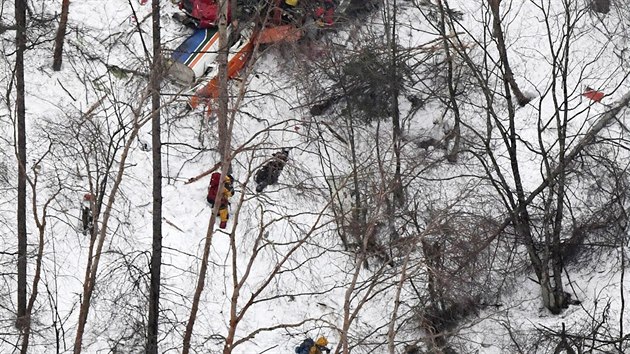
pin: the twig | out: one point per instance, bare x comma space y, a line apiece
198, 177
172, 224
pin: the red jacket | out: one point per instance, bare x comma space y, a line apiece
213, 188
325, 12
593, 94
206, 11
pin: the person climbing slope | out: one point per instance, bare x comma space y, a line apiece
309, 346
269, 173
228, 191
87, 221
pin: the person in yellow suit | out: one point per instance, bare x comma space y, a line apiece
228, 191
290, 12
309, 346
320, 346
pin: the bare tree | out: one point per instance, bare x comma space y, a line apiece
394, 61
156, 254
286, 255
223, 98
100, 235
41, 224
451, 82
508, 75
60, 36
540, 235
224, 148
20, 130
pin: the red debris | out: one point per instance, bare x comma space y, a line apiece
593, 94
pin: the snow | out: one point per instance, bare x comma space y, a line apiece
291, 226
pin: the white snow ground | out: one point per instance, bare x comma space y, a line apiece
321, 272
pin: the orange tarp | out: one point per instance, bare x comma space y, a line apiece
284, 33
235, 65
210, 91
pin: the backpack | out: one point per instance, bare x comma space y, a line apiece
305, 347
214, 186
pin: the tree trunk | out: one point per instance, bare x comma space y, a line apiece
553, 299
455, 133
223, 148
61, 35
507, 71
390, 23
223, 97
391, 331
41, 227
156, 256
20, 43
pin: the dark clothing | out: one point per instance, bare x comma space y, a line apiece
269, 173
305, 347
309, 346
86, 219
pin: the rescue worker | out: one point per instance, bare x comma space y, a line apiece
86, 213
199, 13
228, 191
284, 12
325, 13
309, 346
269, 173
289, 13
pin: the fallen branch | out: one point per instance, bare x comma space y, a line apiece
198, 177
172, 224
115, 69
88, 114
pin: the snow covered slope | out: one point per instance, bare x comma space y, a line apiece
435, 271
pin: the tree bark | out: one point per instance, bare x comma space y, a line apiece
391, 330
156, 255
521, 218
223, 97
455, 133
508, 75
20, 42
223, 148
41, 227
61, 35
399, 193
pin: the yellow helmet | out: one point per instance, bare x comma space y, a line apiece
291, 2
228, 179
321, 341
